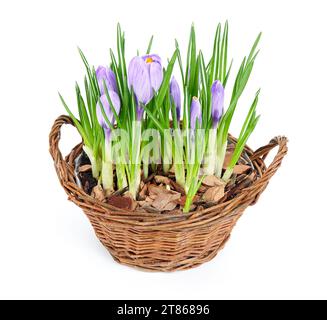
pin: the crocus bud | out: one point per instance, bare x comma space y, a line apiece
106, 106
107, 76
153, 64
175, 94
195, 112
139, 80
217, 102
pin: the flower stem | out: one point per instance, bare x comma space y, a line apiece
121, 176
94, 162
228, 173
220, 159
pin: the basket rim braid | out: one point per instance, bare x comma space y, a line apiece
166, 242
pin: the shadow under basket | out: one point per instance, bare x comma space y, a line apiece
164, 242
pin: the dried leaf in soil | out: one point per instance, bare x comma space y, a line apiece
177, 187
166, 200
214, 194
143, 192
125, 202
213, 181
98, 193
241, 168
162, 179
155, 190
133, 203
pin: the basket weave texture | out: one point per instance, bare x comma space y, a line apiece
165, 242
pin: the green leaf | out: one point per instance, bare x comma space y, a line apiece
251, 113
215, 56
121, 52
166, 80
154, 119
84, 117
227, 75
180, 62
223, 55
116, 71
193, 63
254, 47
149, 45
76, 122
204, 82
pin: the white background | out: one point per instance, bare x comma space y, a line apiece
48, 248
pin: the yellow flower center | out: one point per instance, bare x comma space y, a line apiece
149, 60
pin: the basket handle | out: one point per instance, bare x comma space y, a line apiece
263, 152
54, 138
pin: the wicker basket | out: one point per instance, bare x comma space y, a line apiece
163, 242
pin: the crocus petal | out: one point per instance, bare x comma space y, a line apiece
153, 57
175, 94
217, 102
112, 81
156, 75
153, 63
106, 106
195, 112
139, 79
106, 75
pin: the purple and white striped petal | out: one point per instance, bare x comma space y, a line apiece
139, 80
106, 75
175, 94
156, 75
196, 113
108, 111
153, 63
217, 102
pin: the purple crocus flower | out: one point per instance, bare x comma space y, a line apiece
110, 115
217, 102
139, 80
196, 114
175, 94
145, 75
104, 74
153, 64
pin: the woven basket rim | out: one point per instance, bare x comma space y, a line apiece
65, 171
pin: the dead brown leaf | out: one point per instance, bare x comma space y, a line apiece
154, 190
166, 200
162, 179
212, 181
125, 202
177, 187
214, 194
241, 168
203, 189
182, 200
143, 192
148, 199
98, 193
